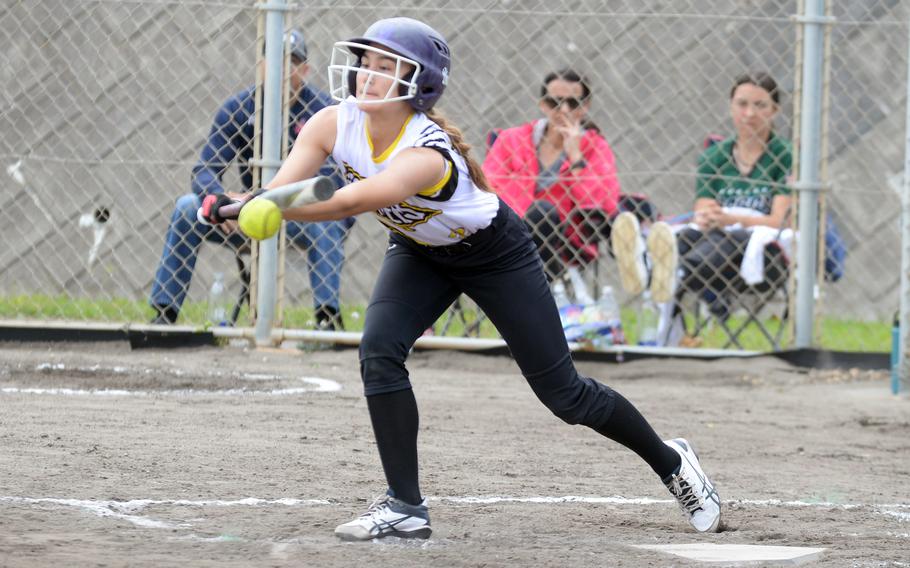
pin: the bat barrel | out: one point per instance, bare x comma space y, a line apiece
300, 193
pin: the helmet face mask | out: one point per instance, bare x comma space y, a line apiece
404, 40
345, 66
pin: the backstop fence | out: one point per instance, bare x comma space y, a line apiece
109, 105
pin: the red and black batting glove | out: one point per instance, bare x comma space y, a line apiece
211, 205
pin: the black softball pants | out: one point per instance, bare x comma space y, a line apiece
502, 272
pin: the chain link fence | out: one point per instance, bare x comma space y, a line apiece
108, 105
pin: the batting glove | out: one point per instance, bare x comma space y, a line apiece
211, 205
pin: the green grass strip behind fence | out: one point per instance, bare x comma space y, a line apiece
833, 333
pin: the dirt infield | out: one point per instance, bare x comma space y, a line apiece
232, 457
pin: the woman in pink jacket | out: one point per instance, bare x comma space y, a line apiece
558, 173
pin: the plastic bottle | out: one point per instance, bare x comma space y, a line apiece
560, 294
217, 308
569, 313
648, 321
578, 286
607, 314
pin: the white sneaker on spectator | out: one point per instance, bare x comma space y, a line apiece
664, 260
629, 250
694, 492
388, 516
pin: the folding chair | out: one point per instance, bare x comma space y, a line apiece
751, 300
774, 290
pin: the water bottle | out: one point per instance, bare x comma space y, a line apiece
607, 314
606, 304
648, 321
217, 308
582, 296
560, 294
568, 312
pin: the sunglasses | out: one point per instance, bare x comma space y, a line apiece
555, 102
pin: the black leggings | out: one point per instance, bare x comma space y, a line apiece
503, 273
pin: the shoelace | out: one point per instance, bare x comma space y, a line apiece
379, 504
683, 492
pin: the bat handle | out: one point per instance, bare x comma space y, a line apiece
230, 211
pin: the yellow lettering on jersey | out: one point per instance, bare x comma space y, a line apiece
405, 215
400, 232
456, 233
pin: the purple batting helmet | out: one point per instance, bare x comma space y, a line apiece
419, 42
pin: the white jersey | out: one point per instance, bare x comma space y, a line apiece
443, 214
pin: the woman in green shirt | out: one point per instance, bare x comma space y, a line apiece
741, 183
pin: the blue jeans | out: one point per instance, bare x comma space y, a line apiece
323, 241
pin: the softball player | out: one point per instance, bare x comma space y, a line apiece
450, 234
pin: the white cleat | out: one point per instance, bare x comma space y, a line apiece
629, 250
388, 516
694, 492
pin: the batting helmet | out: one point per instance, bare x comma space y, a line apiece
417, 44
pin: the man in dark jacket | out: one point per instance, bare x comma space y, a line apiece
231, 140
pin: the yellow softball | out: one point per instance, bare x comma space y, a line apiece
260, 219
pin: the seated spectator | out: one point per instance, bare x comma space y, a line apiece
558, 174
231, 140
741, 185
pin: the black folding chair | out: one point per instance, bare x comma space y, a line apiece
770, 296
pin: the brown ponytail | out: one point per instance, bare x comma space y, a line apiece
462, 147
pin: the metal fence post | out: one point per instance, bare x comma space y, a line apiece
903, 364
272, 130
809, 161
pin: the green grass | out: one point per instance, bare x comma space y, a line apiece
40, 307
835, 334
832, 333
854, 335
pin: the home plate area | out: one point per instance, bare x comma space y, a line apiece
739, 554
